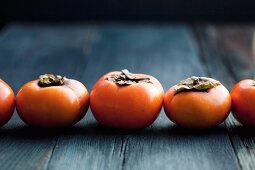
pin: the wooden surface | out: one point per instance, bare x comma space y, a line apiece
87, 51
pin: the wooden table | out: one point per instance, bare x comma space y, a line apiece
85, 52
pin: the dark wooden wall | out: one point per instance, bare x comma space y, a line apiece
159, 10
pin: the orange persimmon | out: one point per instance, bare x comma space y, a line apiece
124, 100
52, 101
7, 102
243, 102
197, 103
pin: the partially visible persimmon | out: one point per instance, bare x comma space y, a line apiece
197, 103
124, 100
7, 102
52, 101
243, 102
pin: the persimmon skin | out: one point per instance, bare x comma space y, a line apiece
198, 109
7, 102
243, 102
133, 106
54, 106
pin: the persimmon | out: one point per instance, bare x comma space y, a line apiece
243, 102
7, 102
197, 103
52, 101
121, 99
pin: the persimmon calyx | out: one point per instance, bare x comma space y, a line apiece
48, 80
196, 84
126, 78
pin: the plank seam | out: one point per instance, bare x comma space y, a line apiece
123, 151
201, 52
51, 155
229, 68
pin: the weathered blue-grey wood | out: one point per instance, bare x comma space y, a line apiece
171, 55
228, 53
164, 52
168, 52
25, 53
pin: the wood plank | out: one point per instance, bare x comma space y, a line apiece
164, 52
168, 52
172, 55
94, 147
228, 53
26, 52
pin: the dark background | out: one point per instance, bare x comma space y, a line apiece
127, 10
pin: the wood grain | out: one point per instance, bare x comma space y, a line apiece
151, 50
228, 53
26, 52
86, 52
172, 56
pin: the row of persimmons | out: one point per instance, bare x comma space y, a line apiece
121, 99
